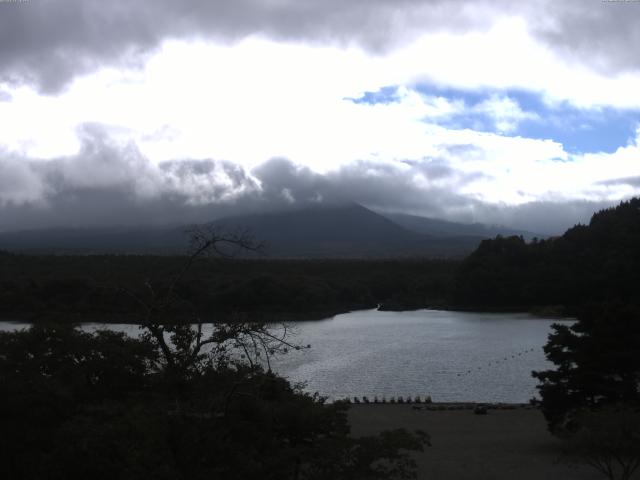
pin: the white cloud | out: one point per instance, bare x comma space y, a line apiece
258, 99
505, 113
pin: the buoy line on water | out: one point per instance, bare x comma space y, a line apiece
500, 361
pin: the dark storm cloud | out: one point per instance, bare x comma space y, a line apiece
206, 181
48, 42
110, 183
631, 181
376, 185
392, 189
282, 180
602, 33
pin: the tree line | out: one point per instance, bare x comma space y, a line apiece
598, 262
85, 288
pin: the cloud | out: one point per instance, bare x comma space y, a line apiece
49, 42
540, 217
19, 184
110, 183
504, 112
193, 109
206, 181
598, 32
631, 181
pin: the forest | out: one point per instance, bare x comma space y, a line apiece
590, 263
85, 288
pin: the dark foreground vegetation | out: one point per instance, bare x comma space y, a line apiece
176, 403
104, 406
591, 397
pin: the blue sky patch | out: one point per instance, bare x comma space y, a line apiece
578, 130
385, 96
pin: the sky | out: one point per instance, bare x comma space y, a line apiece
523, 114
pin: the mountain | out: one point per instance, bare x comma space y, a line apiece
324, 231
343, 231
443, 228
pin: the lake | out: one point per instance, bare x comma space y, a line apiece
451, 356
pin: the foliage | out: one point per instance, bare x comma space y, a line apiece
594, 263
100, 405
84, 287
175, 403
597, 363
50, 375
608, 440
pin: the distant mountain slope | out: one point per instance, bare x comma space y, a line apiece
348, 231
589, 263
340, 231
445, 228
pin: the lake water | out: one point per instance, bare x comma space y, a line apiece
451, 356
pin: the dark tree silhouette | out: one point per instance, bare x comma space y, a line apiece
175, 403
589, 263
608, 440
183, 343
597, 364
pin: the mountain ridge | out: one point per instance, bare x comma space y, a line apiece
323, 231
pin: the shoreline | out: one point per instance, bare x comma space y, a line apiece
216, 317
445, 406
271, 317
549, 311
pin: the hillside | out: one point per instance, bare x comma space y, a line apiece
343, 231
589, 263
350, 231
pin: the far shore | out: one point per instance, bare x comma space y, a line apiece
216, 317
553, 311
543, 311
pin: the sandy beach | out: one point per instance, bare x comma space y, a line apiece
510, 444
